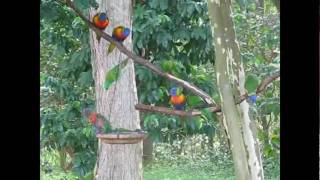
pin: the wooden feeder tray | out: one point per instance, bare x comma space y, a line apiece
123, 137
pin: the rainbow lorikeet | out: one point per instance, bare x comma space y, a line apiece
119, 33
177, 99
252, 99
101, 21
100, 124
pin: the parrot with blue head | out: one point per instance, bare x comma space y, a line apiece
252, 99
177, 99
101, 21
99, 123
119, 33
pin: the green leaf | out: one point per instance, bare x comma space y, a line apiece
153, 3
198, 122
75, 57
167, 65
206, 114
190, 9
151, 122
163, 38
86, 78
197, 7
252, 82
82, 4
60, 50
113, 74
194, 100
111, 48
139, 11
49, 10
163, 4
191, 123
172, 122
209, 130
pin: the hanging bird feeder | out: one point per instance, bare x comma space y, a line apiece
123, 137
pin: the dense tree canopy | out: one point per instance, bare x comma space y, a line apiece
174, 35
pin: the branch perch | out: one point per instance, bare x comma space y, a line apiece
142, 61
195, 112
169, 111
266, 82
165, 110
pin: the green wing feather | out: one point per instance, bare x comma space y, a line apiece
111, 47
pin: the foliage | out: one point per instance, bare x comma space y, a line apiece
258, 34
66, 87
176, 36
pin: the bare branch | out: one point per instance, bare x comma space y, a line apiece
143, 61
266, 82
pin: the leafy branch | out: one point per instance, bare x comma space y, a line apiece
195, 112
211, 105
144, 62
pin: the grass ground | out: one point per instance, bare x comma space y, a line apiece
177, 169
196, 162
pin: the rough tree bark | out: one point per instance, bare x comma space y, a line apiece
123, 161
231, 79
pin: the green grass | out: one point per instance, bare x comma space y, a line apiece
170, 166
184, 173
158, 172
167, 171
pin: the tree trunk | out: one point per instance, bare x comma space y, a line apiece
147, 150
231, 78
225, 138
122, 161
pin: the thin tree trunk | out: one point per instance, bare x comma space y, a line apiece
124, 161
231, 78
147, 150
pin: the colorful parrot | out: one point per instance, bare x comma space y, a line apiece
252, 99
119, 33
100, 124
177, 99
101, 21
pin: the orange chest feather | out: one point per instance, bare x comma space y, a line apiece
100, 24
181, 99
